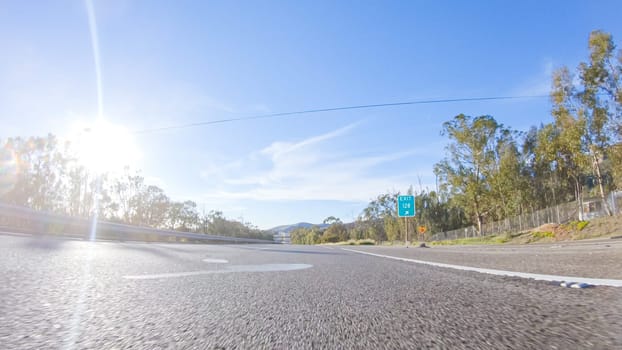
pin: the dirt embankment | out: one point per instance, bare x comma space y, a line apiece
595, 228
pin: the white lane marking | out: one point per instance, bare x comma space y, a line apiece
248, 248
227, 269
215, 261
536, 276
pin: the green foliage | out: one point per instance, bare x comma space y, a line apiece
489, 177
306, 236
474, 240
39, 172
540, 235
356, 242
329, 236
587, 116
336, 232
331, 220
578, 225
471, 170
581, 225
489, 173
47, 176
614, 158
365, 242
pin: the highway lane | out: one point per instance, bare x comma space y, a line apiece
597, 259
63, 294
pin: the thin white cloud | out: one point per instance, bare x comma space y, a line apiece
538, 84
340, 189
278, 149
310, 169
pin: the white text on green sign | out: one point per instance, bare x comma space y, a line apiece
405, 206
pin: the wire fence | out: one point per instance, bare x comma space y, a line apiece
562, 213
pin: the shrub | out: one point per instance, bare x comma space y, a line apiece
504, 238
576, 225
543, 235
581, 225
366, 242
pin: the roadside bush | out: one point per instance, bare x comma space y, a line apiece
357, 242
366, 242
543, 235
475, 240
576, 225
503, 238
581, 225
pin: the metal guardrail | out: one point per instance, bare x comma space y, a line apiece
24, 219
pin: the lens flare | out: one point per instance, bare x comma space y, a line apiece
104, 147
8, 170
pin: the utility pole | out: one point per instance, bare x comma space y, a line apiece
406, 233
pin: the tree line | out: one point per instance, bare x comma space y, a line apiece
491, 172
44, 174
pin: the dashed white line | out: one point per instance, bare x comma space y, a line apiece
215, 261
227, 269
536, 276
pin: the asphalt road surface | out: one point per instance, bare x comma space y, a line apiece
600, 258
64, 294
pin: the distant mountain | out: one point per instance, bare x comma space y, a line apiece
290, 228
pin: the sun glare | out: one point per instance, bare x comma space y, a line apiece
104, 147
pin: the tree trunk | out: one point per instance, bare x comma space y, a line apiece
479, 224
478, 216
578, 193
599, 179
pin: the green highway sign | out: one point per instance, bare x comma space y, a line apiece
405, 206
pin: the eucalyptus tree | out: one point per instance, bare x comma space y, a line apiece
597, 103
150, 205
563, 142
380, 217
472, 162
40, 166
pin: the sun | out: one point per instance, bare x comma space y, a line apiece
104, 147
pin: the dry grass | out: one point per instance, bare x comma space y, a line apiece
596, 228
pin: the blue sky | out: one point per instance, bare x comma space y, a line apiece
176, 62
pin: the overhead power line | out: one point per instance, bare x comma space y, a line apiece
332, 109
